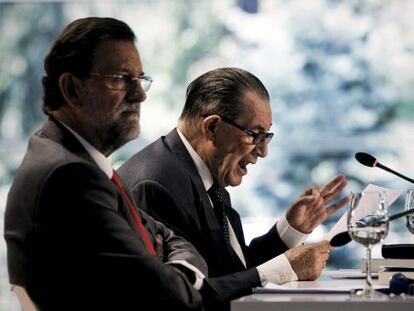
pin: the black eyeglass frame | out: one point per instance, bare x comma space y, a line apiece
258, 138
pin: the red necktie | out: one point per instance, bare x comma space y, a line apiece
117, 181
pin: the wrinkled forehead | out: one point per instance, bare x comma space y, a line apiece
117, 55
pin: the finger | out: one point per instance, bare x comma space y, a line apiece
310, 191
322, 246
328, 196
308, 199
326, 251
325, 256
332, 183
334, 207
326, 246
158, 238
338, 182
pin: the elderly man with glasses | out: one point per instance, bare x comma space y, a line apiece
181, 177
75, 239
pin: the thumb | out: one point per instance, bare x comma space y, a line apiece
324, 246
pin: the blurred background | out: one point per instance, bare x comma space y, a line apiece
340, 75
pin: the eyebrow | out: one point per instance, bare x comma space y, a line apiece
260, 128
127, 71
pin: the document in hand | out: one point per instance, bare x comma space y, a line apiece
341, 225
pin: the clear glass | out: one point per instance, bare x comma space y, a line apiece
123, 82
368, 225
409, 204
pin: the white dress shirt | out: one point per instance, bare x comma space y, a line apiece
104, 164
276, 270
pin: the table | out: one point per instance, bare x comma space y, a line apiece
321, 301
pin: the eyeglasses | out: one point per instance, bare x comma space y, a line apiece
122, 82
258, 138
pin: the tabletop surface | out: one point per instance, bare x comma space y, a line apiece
329, 292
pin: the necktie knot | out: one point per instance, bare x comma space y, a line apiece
116, 180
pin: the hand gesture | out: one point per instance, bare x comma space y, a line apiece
311, 209
309, 260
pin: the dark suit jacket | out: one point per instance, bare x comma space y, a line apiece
165, 182
72, 242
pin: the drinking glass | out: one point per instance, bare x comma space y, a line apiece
409, 204
368, 225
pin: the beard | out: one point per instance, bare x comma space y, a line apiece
108, 134
117, 134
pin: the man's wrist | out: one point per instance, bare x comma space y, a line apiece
289, 235
193, 274
276, 270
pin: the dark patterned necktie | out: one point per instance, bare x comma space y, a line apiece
220, 199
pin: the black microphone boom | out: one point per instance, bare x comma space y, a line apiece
369, 160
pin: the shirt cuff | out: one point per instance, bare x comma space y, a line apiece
276, 270
289, 235
199, 276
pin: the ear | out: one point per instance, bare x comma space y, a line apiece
69, 87
209, 126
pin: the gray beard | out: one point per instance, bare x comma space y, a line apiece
112, 138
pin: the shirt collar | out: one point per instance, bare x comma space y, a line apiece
202, 167
100, 160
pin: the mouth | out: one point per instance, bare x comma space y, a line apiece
130, 111
243, 165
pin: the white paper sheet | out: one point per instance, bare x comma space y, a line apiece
311, 287
349, 274
367, 207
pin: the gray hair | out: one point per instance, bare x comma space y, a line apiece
220, 91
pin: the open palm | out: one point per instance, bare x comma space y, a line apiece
311, 209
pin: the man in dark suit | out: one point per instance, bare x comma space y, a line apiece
75, 239
180, 180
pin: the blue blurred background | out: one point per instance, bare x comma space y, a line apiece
340, 75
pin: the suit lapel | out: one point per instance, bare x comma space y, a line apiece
54, 130
175, 144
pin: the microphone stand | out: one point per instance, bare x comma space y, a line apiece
394, 172
395, 251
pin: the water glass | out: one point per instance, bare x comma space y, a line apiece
409, 204
368, 225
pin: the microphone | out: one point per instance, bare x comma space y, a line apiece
368, 160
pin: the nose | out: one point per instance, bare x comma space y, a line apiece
261, 150
136, 93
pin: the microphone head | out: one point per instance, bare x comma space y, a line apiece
365, 159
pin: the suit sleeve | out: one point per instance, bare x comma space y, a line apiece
174, 247
157, 200
85, 212
152, 197
266, 247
